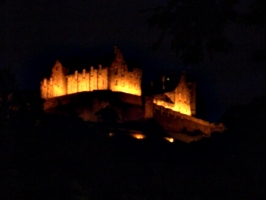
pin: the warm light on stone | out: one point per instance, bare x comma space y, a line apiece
116, 77
171, 104
178, 106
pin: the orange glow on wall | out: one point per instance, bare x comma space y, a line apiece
178, 100
95, 79
178, 106
115, 77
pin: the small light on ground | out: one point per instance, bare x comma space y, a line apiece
169, 139
111, 134
138, 136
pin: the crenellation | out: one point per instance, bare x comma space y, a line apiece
115, 77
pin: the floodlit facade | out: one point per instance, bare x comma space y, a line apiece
182, 98
116, 77
170, 102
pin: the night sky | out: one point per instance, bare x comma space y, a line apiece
35, 32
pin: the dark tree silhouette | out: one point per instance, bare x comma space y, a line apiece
195, 27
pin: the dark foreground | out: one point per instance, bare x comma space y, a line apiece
57, 158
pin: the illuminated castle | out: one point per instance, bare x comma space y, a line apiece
178, 96
116, 77
115, 86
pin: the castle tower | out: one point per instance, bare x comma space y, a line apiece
117, 71
58, 85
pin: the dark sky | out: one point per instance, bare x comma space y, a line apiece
35, 32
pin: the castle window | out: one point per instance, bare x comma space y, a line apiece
123, 83
123, 71
116, 70
136, 74
103, 82
116, 81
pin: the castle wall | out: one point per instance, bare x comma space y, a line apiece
181, 98
102, 78
56, 85
82, 83
77, 82
115, 77
123, 80
148, 107
176, 122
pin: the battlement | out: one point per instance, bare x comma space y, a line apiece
115, 77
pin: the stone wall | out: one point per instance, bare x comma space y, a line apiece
180, 98
177, 122
116, 77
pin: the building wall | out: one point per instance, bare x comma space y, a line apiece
181, 98
173, 121
122, 79
56, 85
116, 77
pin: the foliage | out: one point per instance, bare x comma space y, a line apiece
195, 27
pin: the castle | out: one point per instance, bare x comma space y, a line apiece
119, 86
116, 77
